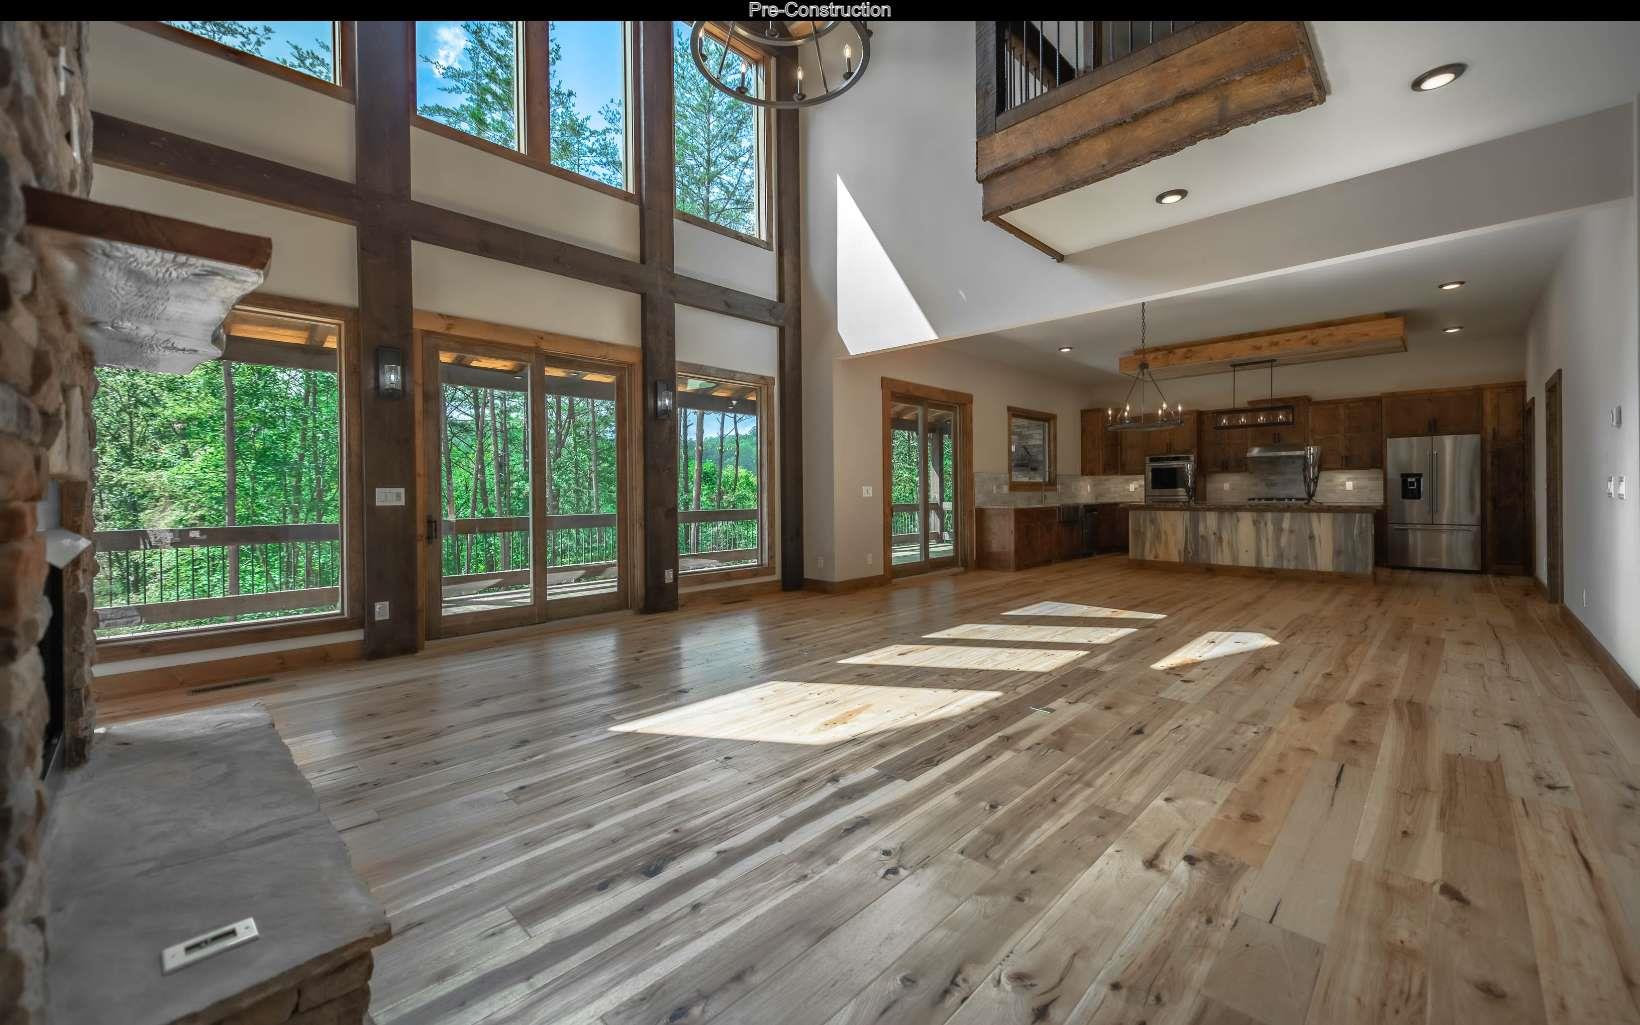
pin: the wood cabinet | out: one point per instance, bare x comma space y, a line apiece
1111, 530
1349, 432
1446, 411
1223, 451
1017, 538
1110, 453
1296, 433
1101, 451
1503, 434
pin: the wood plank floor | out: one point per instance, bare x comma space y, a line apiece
1085, 793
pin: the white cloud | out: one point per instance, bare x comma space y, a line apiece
452, 41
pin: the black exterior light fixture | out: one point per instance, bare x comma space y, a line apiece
389, 372
663, 400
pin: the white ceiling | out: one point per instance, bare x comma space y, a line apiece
1505, 269
1521, 75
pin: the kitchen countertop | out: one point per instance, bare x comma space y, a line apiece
1309, 507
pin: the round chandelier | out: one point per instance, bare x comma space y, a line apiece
834, 52
1164, 417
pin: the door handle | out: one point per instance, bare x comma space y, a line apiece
432, 530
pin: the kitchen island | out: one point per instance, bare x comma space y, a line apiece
1304, 536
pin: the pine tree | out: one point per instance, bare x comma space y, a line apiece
482, 81
715, 138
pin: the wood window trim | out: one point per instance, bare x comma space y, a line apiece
764, 156
534, 112
341, 89
1051, 481
896, 389
768, 512
351, 614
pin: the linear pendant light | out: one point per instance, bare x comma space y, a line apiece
1268, 415
1164, 418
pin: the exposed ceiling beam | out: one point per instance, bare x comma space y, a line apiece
1301, 343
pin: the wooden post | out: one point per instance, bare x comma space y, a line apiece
658, 316
789, 361
387, 435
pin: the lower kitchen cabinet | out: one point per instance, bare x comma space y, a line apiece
1017, 538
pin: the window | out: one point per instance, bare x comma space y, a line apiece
720, 472
586, 73
467, 77
1031, 444
548, 94
218, 496
309, 47
719, 140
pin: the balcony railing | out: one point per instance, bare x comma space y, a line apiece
197, 576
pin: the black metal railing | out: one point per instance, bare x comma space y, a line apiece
1033, 58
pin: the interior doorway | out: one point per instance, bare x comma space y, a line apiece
1529, 429
526, 457
927, 478
1552, 488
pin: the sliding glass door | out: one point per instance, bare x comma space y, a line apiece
922, 451
526, 476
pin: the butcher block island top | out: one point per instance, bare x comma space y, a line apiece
1269, 536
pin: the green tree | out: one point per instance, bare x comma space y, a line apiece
715, 137
482, 82
577, 144
252, 38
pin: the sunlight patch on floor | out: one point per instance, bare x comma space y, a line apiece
949, 656
1020, 632
1216, 644
783, 712
1065, 608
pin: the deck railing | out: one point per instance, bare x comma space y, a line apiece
1024, 61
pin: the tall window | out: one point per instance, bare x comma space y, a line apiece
306, 46
467, 77
720, 472
218, 494
586, 72
718, 139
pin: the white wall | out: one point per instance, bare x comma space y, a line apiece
1587, 325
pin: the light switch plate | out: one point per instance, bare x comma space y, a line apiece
1622, 488
1611, 487
207, 944
389, 496
381, 611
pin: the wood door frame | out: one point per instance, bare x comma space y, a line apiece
538, 348
1529, 429
893, 388
768, 507
1554, 489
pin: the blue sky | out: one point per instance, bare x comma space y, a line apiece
593, 62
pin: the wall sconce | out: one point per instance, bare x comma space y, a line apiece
663, 400
389, 372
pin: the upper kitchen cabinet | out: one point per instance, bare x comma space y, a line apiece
1446, 411
1507, 490
1101, 449
1349, 432
1295, 433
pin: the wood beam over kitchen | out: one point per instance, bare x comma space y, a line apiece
1301, 343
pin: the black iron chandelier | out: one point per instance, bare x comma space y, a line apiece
1271, 414
834, 52
1144, 418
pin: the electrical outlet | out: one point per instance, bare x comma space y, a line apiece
819, 562
1349, 485
381, 612
870, 558
1611, 487
1227, 485
865, 491
1133, 485
1622, 488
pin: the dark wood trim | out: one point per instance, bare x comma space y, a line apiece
535, 119
738, 236
527, 159
161, 154
387, 440
1254, 571
1027, 238
770, 433
789, 371
893, 389
1622, 684
59, 211
1554, 488
987, 73
341, 41
1052, 420
658, 315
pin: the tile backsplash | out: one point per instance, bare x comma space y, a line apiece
991, 489
1333, 489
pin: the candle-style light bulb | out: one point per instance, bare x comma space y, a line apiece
848, 61
798, 94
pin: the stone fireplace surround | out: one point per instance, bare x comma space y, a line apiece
165, 802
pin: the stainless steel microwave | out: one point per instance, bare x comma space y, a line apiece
1170, 478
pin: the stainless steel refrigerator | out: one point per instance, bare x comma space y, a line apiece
1434, 491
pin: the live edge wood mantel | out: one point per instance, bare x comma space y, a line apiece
1309, 538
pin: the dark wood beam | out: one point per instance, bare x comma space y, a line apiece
161, 154
386, 301
658, 316
788, 192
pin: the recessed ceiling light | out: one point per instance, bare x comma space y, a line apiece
1451, 286
1172, 196
1064, 348
1454, 329
1434, 78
